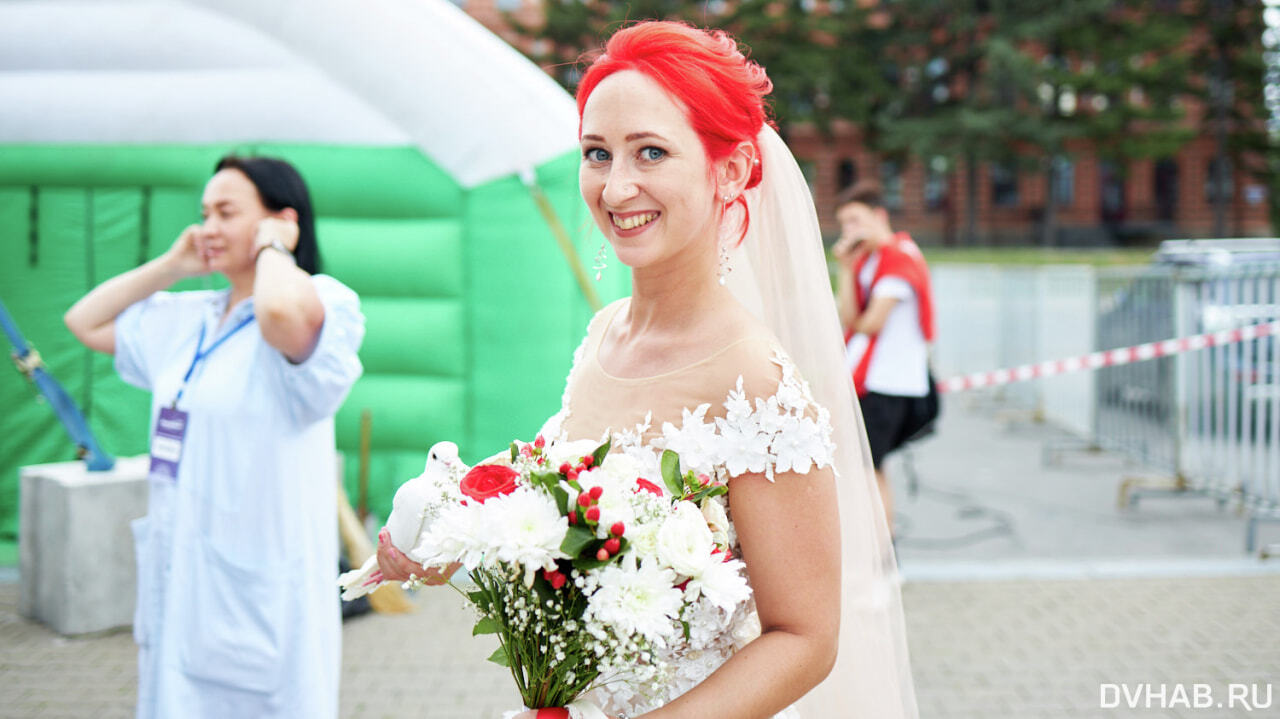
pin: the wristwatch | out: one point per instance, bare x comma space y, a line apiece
275, 244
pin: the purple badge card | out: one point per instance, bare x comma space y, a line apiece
166, 444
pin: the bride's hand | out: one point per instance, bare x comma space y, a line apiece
394, 566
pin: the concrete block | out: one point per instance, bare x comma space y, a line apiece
75, 547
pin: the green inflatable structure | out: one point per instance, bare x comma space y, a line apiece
441, 165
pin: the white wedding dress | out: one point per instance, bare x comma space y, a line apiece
742, 409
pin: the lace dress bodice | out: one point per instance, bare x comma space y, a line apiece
743, 409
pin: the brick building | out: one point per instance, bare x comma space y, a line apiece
1097, 203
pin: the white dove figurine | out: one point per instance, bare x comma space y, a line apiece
406, 520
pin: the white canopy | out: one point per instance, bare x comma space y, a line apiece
367, 72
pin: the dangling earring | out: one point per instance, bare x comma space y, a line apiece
599, 264
724, 268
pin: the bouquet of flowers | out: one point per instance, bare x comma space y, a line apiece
584, 569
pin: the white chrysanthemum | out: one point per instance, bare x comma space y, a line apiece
637, 599
525, 528
456, 535
684, 541
722, 583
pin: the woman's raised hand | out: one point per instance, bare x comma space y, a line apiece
183, 258
281, 228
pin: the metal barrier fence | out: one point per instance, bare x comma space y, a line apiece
1207, 420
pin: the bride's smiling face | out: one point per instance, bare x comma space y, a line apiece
645, 173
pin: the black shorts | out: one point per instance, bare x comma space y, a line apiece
885, 416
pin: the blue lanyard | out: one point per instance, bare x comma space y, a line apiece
202, 353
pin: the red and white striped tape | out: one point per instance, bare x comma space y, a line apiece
1108, 358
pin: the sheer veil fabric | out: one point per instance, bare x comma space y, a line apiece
779, 272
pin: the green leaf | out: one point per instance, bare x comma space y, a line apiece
576, 540
486, 625
514, 452
480, 598
685, 625
562, 499
499, 657
586, 564
671, 473
547, 480
597, 457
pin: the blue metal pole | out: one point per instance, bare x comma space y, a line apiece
30, 364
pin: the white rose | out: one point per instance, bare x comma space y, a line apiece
621, 467
644, 539
717, 520
684, 541
560, 452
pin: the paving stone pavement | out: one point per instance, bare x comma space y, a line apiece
990, 649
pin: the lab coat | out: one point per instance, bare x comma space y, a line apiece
237, 612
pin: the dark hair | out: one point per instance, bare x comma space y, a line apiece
863, 192
280, 186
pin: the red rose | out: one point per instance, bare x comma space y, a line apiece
488, 480
646, 485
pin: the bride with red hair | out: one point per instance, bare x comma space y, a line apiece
701, 200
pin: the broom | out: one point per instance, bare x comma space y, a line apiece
389, 598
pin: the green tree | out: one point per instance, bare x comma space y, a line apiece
1229, 57
822, 60
1112, 73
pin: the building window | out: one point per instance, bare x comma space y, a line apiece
1211, 180
846, 173
1004, 185
1165, 189
891, 184
1062, 174
935, 184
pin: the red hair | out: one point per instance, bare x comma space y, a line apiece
721, 90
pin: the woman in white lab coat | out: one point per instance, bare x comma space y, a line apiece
236, 612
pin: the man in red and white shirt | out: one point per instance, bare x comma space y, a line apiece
886, 307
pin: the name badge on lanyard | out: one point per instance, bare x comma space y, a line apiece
171, 425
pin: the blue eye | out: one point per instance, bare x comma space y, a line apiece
596, 154
653, 153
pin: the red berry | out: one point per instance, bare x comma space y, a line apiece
593, 514
539, 442
573, 517
704, 480
617, 529
596, 492
555, 578
584, 500
613, 544
588, 460
603, 554
572, 475
564, 468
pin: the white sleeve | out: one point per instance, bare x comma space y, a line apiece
316, 387
147, 332
890, 286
